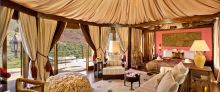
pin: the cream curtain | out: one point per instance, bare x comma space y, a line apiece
104, 39
5, 17
123, 37
122, 11
136, 38
46, 30
149, 46
94, 32
216, 46
28, 33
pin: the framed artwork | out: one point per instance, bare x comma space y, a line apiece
184, 39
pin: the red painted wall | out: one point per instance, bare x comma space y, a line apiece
205, 32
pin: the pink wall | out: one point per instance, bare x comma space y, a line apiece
205, 32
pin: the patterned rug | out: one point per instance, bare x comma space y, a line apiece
117, 85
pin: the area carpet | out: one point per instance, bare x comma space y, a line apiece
117, 85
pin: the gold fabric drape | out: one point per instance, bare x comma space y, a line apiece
136, 53
122, 11
28, 33
46, 30
95, 34
104, 39
123, 37
149, 45
5, 17
216, 47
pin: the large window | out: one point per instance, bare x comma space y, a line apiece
71, 51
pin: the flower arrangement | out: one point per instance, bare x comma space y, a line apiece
98, 59
4, 74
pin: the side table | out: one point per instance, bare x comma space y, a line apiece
133, 78
196, 76
98, 66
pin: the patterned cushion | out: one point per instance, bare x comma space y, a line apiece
114, 60
113, 70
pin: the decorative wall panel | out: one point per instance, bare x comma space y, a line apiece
184, 39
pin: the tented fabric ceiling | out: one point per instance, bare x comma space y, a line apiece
122, 11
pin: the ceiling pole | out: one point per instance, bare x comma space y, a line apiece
129, 48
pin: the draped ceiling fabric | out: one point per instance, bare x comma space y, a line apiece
46, 31
136, 39
5, 17
28, 32
216, 47
122, 11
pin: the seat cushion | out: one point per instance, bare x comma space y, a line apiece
113, 70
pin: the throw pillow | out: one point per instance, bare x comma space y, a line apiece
168, 84
182, 68
177, 75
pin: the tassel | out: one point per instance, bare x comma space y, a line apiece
33, 70
48, 66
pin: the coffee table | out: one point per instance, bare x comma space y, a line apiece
131, 77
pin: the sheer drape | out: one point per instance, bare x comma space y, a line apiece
136, 53
46, 30
122, 11
123, 37
5, 17
216, 47
29, 40
94, 32
149, 46
104, 39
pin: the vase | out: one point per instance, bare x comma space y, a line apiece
199, 60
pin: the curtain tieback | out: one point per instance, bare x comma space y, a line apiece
48, 66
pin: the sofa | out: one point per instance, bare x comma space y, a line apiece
170, 79
114, 68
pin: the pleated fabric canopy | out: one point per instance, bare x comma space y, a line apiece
122, 11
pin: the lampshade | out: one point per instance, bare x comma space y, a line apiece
114, 47
199, 45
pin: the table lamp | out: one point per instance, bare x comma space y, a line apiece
199, 46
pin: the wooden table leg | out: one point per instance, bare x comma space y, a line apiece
131, 85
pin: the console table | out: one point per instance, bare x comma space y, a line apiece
98, 66
201, 75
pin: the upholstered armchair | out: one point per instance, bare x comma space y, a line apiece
114, 67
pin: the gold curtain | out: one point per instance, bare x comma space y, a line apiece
149, 45
28, 31
216, 47
95, 35
123, 37
46, 30
104, 39
122, 11
5, 17
136, 53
